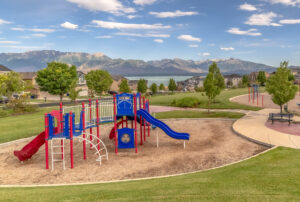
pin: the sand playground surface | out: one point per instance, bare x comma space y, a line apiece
212, 143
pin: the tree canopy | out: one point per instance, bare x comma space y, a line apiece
261, 78
74, 93
142, 86
153, 88
172, 85
213, 83
161, 86
56, 78
11, 83
245, 80
124, 87
280, 86
98, 81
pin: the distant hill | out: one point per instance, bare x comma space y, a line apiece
35, 60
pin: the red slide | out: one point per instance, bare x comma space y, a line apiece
32, 147
112, 132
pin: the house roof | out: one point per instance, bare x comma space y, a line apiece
117, 77
4, 69
27, 75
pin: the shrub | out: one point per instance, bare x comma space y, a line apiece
199, 89
191, 102
4, 113
20, 106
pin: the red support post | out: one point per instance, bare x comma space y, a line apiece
144, 121
91, 129
148, 124
126, 121
141, 127
135, 128
46, 140
83, 126
60, 128
262, 100
71, 139
115, 125
122, 121
98, 123
253, 93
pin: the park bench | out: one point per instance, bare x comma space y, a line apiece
281, 117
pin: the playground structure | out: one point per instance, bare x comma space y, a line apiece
77, 122
254, 95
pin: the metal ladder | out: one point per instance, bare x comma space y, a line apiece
55, 152
95, 142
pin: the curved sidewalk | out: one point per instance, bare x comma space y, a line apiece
253, 126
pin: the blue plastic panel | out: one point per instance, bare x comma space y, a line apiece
124, 104
126, 138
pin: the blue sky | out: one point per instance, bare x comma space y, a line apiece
265, 31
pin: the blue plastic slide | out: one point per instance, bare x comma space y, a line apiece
162, 125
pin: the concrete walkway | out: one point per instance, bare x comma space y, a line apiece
155, 109
252, 126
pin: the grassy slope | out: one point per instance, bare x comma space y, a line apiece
21, 126
198, 114
273, 176
222, 101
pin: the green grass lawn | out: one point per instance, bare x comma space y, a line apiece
22, 126
273, 176
222, 101
197, 114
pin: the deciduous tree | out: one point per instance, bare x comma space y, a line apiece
56, 78
124, 87
142, 86
98, 81
281, 86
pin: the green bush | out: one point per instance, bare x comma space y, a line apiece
4, 113
199, 89
21, 106
191, 102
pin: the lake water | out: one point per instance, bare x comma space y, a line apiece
159, 79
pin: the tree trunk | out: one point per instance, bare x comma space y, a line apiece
208, 106
280, 109
61, 97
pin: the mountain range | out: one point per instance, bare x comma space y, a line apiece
35, 60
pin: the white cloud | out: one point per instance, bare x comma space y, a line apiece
143, 35
290, 21
21, 47
205, 54
189, 38
227, 48
2, 22
69, 25
249, 32
285, 2
34, 36
119, 25
131, 16
104, 37
158, 40
110, 6
9, 42
17, 29
33, 29
174, 14
247, 7
263, 19
144, 2
193, 46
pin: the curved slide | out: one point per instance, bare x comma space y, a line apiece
31, 148
162, 125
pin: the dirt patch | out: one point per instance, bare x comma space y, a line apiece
212, 143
